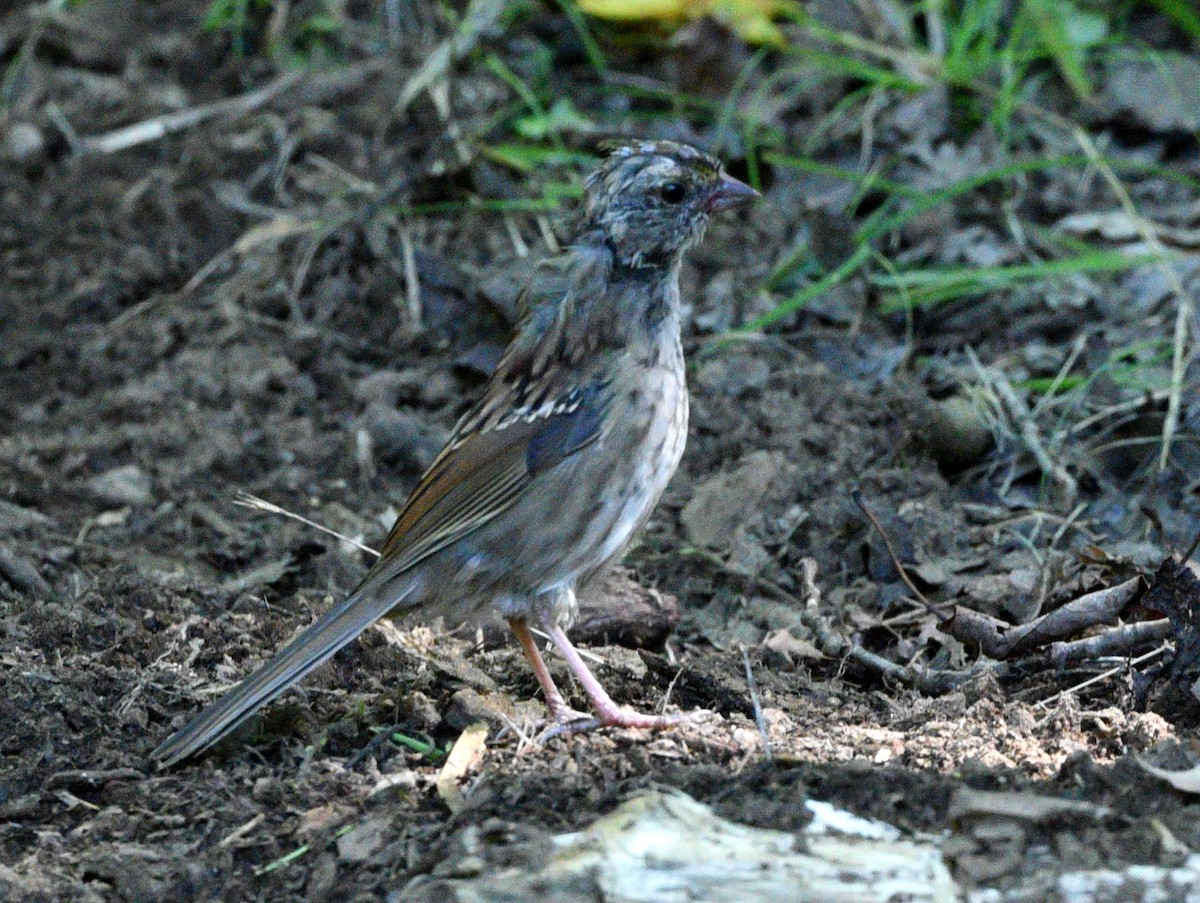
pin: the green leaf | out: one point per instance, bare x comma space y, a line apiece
562, 117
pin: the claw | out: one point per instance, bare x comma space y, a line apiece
615, 717
568, 721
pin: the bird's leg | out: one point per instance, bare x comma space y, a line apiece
608, 713
559, 710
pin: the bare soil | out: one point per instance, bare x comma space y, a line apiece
224, 311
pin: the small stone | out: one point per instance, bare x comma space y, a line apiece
322, 879
24, 144
126, 485
362, 841
22, 574
956, 434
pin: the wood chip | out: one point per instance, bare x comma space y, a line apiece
465, 755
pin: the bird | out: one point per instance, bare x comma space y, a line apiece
548, 476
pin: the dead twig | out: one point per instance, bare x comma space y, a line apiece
1103, 675
362, 214
480, 15
1122, 640
171, 123
759, 719
15, 71
1000, 640
412, 282
832, 643
1184, 302
1022, 419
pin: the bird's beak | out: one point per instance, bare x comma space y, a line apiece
730, 193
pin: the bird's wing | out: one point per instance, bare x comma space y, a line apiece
482, 474
535, 413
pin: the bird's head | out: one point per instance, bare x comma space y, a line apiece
652, 199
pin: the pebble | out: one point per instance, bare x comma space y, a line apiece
125, 485
24, 144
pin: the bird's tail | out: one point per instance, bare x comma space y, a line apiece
373, 599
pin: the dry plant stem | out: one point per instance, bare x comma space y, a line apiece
1101, 606
15, 69
1000, 640
1132, 406
412, 283
928, 69
1122, 640
162, 126
1183, 310
1103, 675
1022, 417
832, 643
759, 719
1191, 550
1063, 372
246, 500
480, 15
324, 229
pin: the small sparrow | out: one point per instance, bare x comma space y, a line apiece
545, 480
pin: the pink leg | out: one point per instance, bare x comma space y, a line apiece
608, 713
559, 710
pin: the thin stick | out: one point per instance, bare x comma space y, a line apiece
1187, 556
1120, 640
662, 706
412, 282
245, 829
1183, 309
926, 68
1022, 419
161, 126
759, 719
1103, 675
246, 500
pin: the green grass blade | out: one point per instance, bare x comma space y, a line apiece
926, 287
848, 268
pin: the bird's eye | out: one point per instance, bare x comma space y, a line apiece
672, 192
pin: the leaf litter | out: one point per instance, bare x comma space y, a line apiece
275, 296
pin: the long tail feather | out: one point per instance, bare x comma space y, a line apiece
315, 645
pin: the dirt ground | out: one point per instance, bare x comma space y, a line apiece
297, 299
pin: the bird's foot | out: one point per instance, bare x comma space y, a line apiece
572, 722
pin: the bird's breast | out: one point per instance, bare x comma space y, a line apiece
641, 447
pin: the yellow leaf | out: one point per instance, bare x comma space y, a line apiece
751, 20
642, 10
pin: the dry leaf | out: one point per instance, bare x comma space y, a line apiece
467, 751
